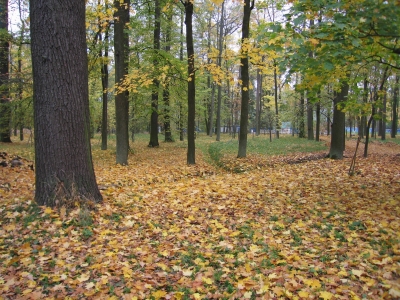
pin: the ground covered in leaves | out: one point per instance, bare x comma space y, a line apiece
296, 227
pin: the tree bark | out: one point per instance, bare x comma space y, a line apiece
244, 76
104, 83
310, 119
383, 118
258, 101
191, 152
395, 103
166, 98
5, 110
121, 48
64, 169
318, 119
338, 125
219, 63
156, 83
277, 122
302, 133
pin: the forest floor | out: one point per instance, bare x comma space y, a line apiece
265, 227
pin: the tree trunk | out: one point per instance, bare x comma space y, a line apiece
156, 83
63, 159
219, 63
244, 76
191, 152
20, 110
104, 84
383, 118
302, 133
258, 102
121, 48
181, 133
310, 120
318, 120
167, 108
395, 103
5, 110
277, 122
338, 125
211, 124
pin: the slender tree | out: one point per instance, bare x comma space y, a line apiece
219, 63
166, 92
121, 48
64, 169
5, 109
244, 76
104, 78
395, 103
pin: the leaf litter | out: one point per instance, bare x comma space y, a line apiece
274, 230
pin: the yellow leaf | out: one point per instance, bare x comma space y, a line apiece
325, 295
207, 280
197, 296
217, 2
162, 266
48, 211
27, 291
159, 294
178, 295
303, 294
313, 283
165, 253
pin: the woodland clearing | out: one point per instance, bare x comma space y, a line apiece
265, 227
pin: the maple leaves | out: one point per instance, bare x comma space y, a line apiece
171, 231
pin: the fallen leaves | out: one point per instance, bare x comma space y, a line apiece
169, 231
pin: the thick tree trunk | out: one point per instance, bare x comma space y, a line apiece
63, 159
244, 76
338, 125
121, 48
191, 152
156, 83
5, 110
395, 103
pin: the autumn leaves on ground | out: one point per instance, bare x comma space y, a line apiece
293, 227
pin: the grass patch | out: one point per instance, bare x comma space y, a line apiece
261, 145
